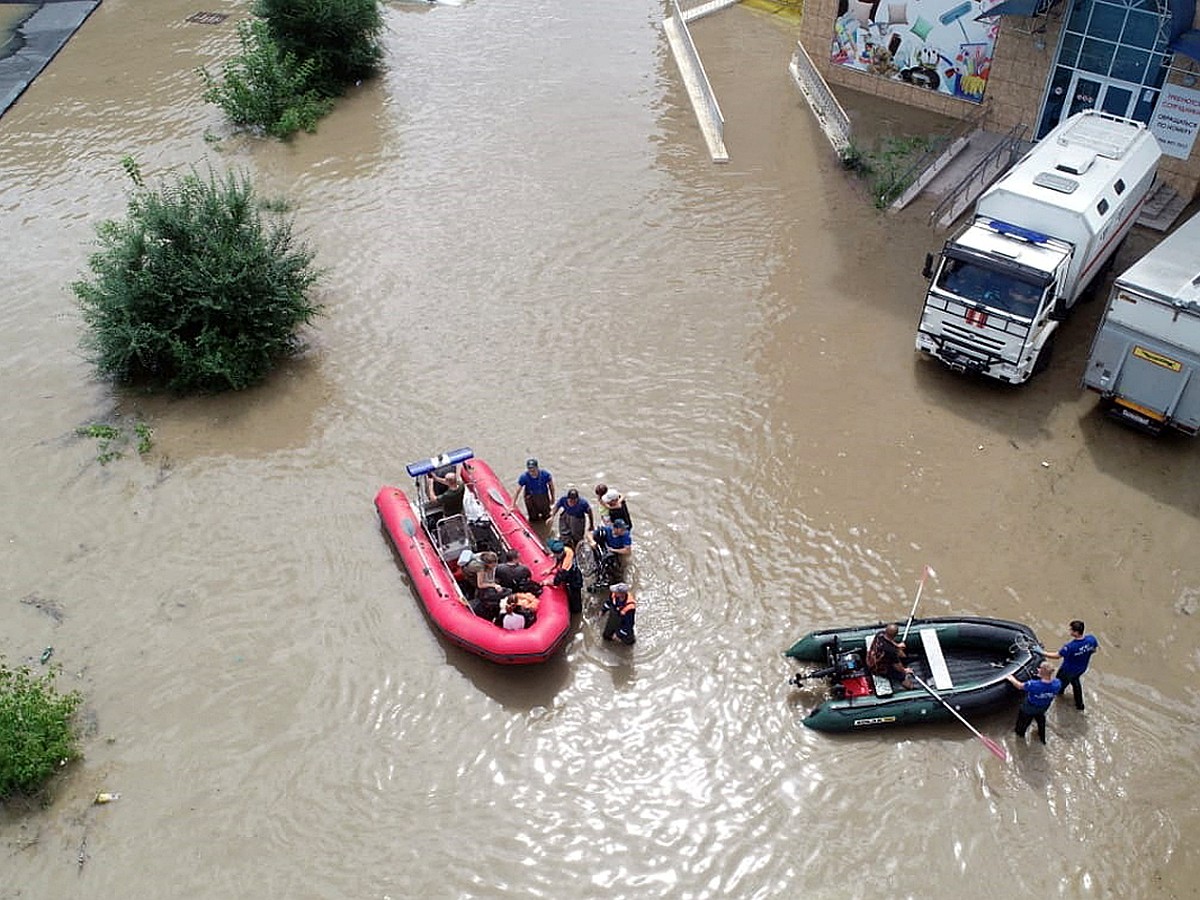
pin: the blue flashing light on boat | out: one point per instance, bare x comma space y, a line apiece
1024, 234
451, 457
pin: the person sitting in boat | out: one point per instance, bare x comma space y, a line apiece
450, 498
570, 511
523, 605
513, 618
489, 600
886, 658
485, 575
538, 486
515, 575
465, 570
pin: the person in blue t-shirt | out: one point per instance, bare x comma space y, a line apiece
1075, 655
571, 511
613, 546
538, 486
1039, 694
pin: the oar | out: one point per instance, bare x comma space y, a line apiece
925, 573
495, 495
996, 749
409, 527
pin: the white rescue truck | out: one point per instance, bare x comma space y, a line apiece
1039, 236
1145, 359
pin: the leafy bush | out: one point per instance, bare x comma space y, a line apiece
341, 37
265, 87
194, 291
854, 160
36, 731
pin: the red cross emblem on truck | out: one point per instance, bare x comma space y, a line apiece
976, 317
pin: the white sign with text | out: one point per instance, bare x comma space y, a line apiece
1176, 120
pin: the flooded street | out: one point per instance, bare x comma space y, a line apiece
529, 252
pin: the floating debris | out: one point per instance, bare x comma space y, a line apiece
207, 18
46, 654
106, 797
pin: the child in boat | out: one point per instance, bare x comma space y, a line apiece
520, 611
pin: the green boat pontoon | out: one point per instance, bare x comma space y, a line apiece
960, 663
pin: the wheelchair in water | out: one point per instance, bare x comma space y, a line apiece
599, 565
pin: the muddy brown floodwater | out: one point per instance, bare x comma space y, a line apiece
529, 252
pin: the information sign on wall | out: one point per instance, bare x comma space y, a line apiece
1176, 120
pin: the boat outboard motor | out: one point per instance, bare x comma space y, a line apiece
844, 667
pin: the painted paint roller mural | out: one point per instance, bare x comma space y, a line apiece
955, 14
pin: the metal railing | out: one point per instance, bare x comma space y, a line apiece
834, 121
933, 154
960, 196
717, 120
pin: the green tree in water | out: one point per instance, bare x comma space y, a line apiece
195, 291
265, 88
341, 37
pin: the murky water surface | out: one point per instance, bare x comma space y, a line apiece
528, 251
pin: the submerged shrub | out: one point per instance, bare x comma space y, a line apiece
36, 731
341, 37
266, 88
194, 290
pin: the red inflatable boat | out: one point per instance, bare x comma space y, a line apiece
430, 545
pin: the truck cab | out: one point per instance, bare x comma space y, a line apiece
991, 306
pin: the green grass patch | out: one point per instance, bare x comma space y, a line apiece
112, 440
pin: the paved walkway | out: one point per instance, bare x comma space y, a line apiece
36, 41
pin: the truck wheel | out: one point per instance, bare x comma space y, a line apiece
1044, 356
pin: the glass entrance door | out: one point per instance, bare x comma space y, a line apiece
1089, 92
1084, 93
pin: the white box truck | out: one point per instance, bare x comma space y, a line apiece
1145, 359
1039, 236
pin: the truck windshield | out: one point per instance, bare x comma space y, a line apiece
991, 287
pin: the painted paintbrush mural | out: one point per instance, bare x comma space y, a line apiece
934, 44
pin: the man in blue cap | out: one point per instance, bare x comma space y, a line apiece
538, 486
613, 546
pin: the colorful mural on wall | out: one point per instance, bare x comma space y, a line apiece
933, 44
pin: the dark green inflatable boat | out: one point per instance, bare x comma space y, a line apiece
962, 660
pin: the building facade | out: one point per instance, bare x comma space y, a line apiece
1024, 62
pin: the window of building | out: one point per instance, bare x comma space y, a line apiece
1111, 56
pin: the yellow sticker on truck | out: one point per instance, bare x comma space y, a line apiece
1158, 359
